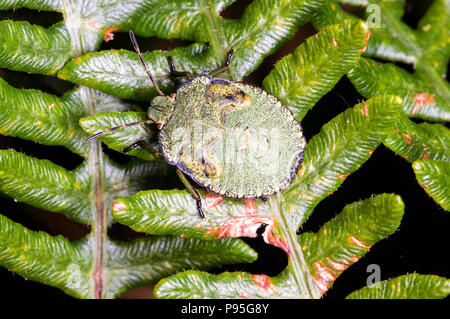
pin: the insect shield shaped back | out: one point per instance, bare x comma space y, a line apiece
232, 138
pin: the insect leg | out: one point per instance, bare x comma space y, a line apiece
144, 145
192, 191
225, 67
174, 72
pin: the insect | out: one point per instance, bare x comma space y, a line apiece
232, 138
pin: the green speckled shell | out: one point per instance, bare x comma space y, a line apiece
233, 138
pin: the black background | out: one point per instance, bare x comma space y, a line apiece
419, 245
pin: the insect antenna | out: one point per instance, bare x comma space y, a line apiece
136, 47
112, 129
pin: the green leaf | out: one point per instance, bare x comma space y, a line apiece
425, 93
120, 139
415, 141
41, 257
346, 238
70, 266
338, 244
414, 286
201, 285
373, 78
48, 119
341, 147
302, 78
38, 5
157, 257
351, 135
55, 42
121, 74
434, 177
45, 185
86, 23
97, 266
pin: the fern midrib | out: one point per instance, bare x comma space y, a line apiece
410, 42
300, 268
95, 161
215, 43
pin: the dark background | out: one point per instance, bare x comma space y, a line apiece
419, 245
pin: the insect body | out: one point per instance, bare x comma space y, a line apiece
232, 138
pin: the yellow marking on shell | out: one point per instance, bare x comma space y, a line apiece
285, 112
231, 194
268, 191
213, 188
208, 166
295, 126
212, 171
228, 96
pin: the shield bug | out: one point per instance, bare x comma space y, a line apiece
232, 138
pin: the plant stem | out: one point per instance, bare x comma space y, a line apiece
298, 267
95, 156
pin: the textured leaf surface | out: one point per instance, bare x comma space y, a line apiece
123, 138
340, 148
415, 141
338, 244
353, 134
372, 78
86, 23
98, 267
51, 120
50, 260
154, 258
164, 212
45, 185
300, 79
263, 27
426, 94
414, 286
69, 266
347, 237
434, 177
